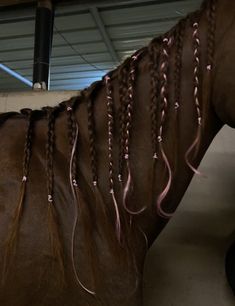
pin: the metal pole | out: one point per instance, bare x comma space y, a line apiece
43, 44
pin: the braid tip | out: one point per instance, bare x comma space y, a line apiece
49, 198
24, 178
107, 78
75, 184
119, 177
176, 105
155, 156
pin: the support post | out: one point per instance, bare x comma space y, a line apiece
42, 44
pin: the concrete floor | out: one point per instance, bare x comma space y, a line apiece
185, 266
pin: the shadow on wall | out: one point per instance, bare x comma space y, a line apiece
185, 266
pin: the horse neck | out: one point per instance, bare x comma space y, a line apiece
179, 129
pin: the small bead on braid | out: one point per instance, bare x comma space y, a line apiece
109, 97
164, 70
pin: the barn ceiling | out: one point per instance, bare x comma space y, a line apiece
89, 39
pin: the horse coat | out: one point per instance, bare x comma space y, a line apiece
87, 186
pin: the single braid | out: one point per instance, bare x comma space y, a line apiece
110, 129
104, 228
49, 153
211, 33
110, 114
210, 50
79, 202
196, 51
154, 76
154, 60
92, 140
13, 233
28, 142
72, 126
129, 119
164, 86
53, 226
179, 35
123, 91
164, 70
129, 108
196, 72
178, 62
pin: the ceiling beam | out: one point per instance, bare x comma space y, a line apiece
15, 2
7, 3
16, 75
100, 24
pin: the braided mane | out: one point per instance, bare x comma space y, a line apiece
165, 58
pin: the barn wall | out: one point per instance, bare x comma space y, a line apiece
14, 101
185, 266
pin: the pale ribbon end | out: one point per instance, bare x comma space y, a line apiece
164, 193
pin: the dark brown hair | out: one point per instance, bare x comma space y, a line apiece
159, 53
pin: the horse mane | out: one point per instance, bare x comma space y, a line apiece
159, 54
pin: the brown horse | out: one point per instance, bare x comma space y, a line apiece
87, 186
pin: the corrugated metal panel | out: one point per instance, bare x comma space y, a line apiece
140, 30
78, 36
77, 32
8, 83
72, 68
19, 28
59, 51
77, 75
146, 12
81, 21
60, 60
89, 48
131, 43
16, 43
